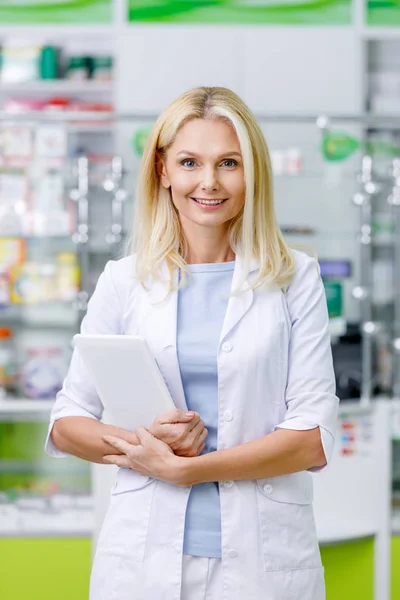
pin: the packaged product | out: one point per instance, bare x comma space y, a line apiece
68, 276
12, 251
13, 202
20, 62
32, 283
7, 361
43, 371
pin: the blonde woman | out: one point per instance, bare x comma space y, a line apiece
214, 501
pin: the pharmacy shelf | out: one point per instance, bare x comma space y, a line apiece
53, 32
380, 33
48, 534
57, 86
25, 406
62, 116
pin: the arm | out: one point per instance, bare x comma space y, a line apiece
77, 403
311, 405
83, 437
303, 440
279, 453
75, 426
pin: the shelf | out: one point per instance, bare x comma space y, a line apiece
76, 118
380, 33
57, 86
53, 32
50, 534
33, 237
25, 405
60, 315
102, 128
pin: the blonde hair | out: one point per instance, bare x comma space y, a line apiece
254, 233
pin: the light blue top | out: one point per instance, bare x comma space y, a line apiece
202, 305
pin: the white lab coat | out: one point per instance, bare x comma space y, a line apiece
274, 371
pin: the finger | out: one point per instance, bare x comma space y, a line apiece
203, 435
176, 416
119, 461
117, 443
201, 448
196, 431
196, 421
144, 435
199, 426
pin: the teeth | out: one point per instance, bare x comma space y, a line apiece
210, 202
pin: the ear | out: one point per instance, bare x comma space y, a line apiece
162, 172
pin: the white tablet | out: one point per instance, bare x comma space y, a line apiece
126, 377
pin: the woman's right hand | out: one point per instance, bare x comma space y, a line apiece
184, 432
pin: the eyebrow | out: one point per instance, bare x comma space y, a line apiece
189, 153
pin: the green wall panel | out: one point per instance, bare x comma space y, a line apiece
349, 570
309, 12
60, 569
396, 568
59, 12
384, 13
44, 569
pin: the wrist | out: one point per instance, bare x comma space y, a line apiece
180, 471
186, 471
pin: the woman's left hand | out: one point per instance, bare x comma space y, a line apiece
152, 457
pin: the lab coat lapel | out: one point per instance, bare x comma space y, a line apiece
239, 304
161, 333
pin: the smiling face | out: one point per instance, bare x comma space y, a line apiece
203, 168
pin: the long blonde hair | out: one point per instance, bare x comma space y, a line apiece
254, 233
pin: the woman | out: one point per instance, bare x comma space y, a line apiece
214, 502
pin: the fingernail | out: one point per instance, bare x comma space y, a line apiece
190, 414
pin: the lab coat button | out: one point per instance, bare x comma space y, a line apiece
268, 489
228, 416
228, 484
233, 554
227, 347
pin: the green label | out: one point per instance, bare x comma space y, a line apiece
334, 298
140, 138
337, 146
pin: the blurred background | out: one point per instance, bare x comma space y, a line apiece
81, 83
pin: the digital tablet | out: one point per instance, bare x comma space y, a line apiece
126, 377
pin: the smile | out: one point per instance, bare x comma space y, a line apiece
209, 202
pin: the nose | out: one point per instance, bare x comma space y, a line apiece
210, 180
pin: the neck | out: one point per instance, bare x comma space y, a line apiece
207, 245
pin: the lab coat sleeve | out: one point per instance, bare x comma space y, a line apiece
310, 391
78, 396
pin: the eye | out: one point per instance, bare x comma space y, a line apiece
189, 163
229, 163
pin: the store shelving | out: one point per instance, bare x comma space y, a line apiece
55, 32
380, 33
91, 177
57, 86
25, 406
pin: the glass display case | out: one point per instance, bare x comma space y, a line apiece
61, 216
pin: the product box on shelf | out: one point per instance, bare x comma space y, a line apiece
43, 282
